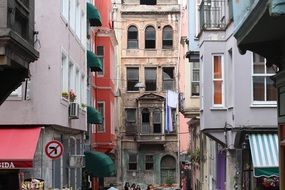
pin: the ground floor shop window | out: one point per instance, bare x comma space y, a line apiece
9, 180
268, 183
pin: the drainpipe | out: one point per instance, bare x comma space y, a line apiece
43, 134
177, 90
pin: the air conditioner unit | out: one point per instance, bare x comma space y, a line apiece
73, 110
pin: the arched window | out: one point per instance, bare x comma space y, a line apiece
150, 37
167, 37
168, 169
132, 37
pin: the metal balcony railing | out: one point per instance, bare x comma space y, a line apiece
213, 14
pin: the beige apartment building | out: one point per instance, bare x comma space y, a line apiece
150, 37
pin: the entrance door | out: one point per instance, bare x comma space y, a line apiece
9, 180
168, 170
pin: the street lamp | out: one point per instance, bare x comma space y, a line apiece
140, 85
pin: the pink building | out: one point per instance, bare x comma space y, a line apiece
104, 89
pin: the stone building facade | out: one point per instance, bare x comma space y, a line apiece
150, 37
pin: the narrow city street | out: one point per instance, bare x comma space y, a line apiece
142, 95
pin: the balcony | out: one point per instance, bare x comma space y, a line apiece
131, 129
261, 29
214, 14
16, 44
104, 142
151, 139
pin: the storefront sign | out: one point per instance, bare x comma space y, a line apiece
10, 164
6, 165
33, 184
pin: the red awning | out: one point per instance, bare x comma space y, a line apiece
17, 147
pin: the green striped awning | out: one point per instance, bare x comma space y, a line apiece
93, 116
265, 154
99, 164
93, 15
93, 62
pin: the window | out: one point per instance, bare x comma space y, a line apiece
149, 37
101, 109
167, 37
71, 77
148, 2
230, 7
64, 8
132, 37
195, 79
64, 73
157, 121
148, 162
132, 161
151, 121
218, 86
77, 86
167, 77
174, 118
78, 20
83, 28
145, 121
100, 54
22, 24
150, 79
131, 128
83, 90
130, 115
72, 14
132, 79
263, 87
168, 169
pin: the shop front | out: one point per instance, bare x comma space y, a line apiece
262, 172
98, 165
17, 150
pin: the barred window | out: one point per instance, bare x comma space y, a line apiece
133, 161
149, 162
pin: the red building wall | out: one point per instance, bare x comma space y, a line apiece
104, 87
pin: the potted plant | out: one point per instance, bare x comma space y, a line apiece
72, 96
195, 155
64, 95
83, 105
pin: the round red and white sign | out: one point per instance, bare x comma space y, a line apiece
54, 149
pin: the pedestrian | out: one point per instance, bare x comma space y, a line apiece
127, 186
150, 187
133, 186
112, 187
138, 187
